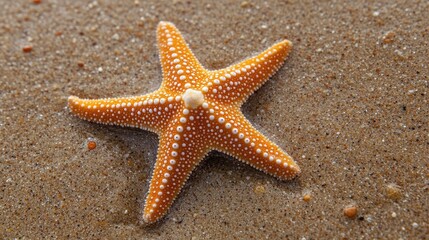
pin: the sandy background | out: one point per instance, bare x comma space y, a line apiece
350, 105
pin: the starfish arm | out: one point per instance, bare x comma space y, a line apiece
238, 138
179, 65
237, 82
148, 112
179, 152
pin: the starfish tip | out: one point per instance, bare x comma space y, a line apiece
289, 43
286, 45
71, 99
148, 219
296, 171
165, 23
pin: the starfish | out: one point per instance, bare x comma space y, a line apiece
195, 111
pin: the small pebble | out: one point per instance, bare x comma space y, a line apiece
37, 1
245, 4
80, 64
259, 189
177, 220
393, 191
415, 225
389, 37
307, 197
27, 49
91, 145
350, 211
115, 36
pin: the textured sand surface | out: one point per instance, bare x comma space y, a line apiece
351, 105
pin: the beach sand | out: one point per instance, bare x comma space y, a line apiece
350, 105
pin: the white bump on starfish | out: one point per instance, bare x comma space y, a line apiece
193, 98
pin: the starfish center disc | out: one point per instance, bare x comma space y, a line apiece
193, 98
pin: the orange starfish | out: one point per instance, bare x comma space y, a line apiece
195, 111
